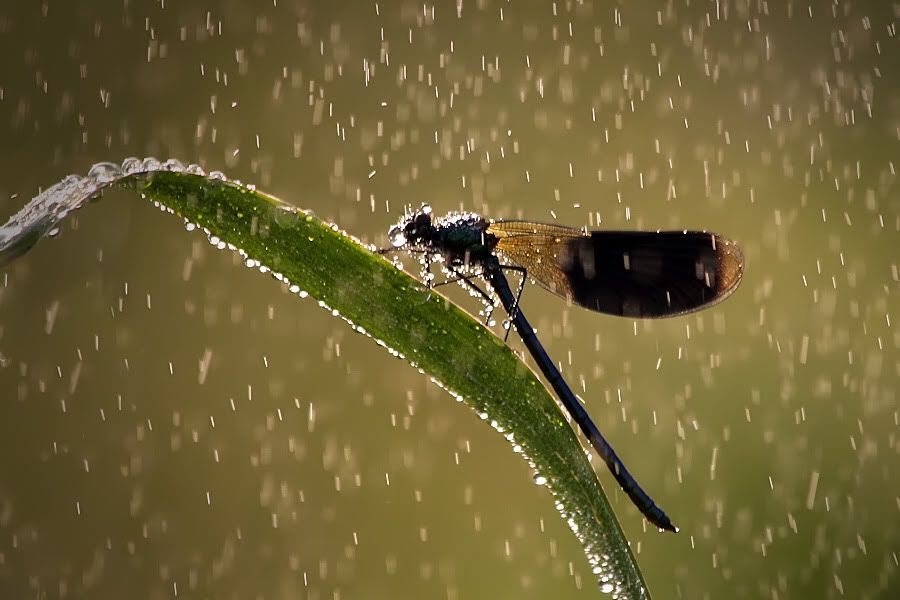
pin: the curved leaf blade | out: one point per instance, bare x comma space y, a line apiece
394, 309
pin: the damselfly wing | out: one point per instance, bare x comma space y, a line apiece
644, 274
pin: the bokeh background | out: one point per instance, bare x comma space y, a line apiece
174, 424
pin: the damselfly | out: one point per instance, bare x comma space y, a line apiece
625, 273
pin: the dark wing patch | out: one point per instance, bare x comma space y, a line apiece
625, 273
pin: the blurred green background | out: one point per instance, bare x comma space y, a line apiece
172, 423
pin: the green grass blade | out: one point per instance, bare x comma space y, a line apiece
433, 334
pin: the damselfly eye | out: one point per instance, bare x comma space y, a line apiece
397, 236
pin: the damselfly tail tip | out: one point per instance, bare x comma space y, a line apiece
663, 522
668, 527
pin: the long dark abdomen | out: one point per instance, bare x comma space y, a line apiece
630, 486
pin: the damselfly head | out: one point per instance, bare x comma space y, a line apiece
413, 228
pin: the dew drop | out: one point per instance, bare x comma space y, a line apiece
105, 172
174, 165
150, 164
131, 165
72, 179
